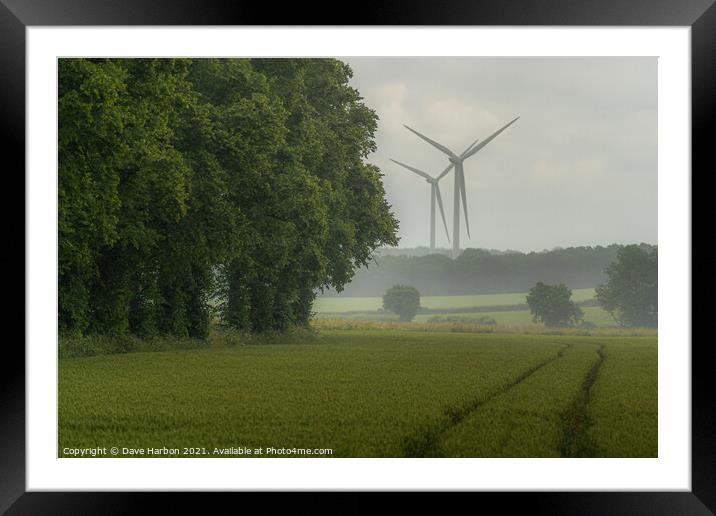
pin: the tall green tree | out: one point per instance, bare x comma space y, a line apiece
631, 293
91, 149
330, 207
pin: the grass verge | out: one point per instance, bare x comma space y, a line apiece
220, 337
353, 325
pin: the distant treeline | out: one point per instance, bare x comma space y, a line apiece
478, 271
192, 184
424, 251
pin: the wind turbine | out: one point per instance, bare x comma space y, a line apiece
459, 190
434, 194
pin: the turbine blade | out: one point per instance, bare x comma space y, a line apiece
487, 140
432, 142
442, 174
463, 194
442, 212
470, 147
413, 169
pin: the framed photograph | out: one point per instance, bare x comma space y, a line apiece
425, 251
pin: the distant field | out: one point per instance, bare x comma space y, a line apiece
324, 305
367, 308
373, 394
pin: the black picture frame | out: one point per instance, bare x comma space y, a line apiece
16, 15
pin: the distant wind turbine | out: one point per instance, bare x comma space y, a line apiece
434, 194
459, 190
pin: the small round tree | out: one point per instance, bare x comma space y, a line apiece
403, 300
551, 304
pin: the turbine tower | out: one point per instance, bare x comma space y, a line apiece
459, 190
434, 194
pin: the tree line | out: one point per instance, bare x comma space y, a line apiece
193, 186
630, 295
478, 271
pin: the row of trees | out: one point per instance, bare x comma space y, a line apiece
478, 271
630, 294
192, 184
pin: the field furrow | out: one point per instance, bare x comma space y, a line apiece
426, 441
532, 419
623, 407
577, 442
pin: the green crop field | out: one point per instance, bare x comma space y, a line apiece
373, 393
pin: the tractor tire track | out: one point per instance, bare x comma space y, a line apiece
425, 442
576, 420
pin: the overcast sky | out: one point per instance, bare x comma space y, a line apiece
578, 168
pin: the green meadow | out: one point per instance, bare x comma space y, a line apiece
509, 310
324, 305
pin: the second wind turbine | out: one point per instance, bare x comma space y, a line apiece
459, 190
434, 194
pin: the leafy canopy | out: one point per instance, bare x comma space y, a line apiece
402, 300
552, 305
190, 188
631, 292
